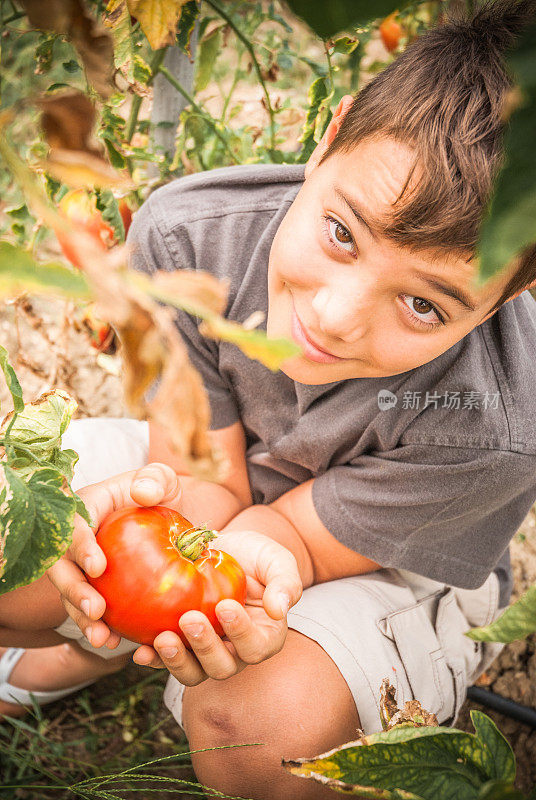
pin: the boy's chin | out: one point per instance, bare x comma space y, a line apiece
303, 371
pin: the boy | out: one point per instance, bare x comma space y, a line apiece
384, 470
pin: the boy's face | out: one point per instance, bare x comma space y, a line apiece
367, 304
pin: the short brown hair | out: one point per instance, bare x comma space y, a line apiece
444, 96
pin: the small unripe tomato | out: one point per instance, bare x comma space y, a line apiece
158, 566
390, 32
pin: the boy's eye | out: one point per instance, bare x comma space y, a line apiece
423, 312
338, 236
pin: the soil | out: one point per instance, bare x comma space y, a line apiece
47, 351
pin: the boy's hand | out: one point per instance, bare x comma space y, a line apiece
257, 631
153, 484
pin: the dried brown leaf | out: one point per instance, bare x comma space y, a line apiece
67, 121
412, 713
71, 19
154, 360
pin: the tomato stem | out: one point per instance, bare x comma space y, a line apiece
192, 542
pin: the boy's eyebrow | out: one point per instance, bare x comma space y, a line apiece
373, 227
451, 291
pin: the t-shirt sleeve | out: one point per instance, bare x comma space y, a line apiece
446, 513
153, 247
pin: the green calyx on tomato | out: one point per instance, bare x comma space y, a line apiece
191, 544
158, 566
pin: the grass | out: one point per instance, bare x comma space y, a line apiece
79, 746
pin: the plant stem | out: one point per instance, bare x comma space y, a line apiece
175, 83
330, 67
216, 6
17, 15
154, 64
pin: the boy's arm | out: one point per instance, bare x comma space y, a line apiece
220, 502
293, 522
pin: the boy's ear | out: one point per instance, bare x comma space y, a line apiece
329, 134
530, 286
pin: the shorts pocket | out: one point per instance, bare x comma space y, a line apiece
462, 654
430, 676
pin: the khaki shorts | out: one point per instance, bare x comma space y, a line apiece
386, 624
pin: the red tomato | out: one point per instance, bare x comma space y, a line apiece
80, 209
391, 31
158, 567
126, 213
101, 334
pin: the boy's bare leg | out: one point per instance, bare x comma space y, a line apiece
297, 704
48, 668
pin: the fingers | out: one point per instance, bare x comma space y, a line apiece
96, 632
74, 588
84, 549
147, 657
277, 569
155, 484
252, 638
181, 663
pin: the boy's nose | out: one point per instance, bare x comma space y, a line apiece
342, 314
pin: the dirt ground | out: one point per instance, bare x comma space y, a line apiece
47, 351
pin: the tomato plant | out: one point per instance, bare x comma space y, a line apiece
158, 567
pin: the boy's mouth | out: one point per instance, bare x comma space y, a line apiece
311, 351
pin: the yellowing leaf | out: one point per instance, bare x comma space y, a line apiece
198, 293
158, 19
81, 170
255, 344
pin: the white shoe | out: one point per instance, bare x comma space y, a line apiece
14, 694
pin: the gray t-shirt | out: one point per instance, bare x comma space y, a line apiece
432, 470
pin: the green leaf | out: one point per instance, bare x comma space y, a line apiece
19, 272
517, 622
189, 15
11, 379
117, 159
207, 52
430, 762
82, 510
327, 19
38, 428
141, 71
36, 525
109, 208
498, 758
118, 20
316, 94
71, 66
20, 213
500, 790
345, 44
510, 224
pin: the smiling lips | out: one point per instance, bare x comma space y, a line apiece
310, 350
